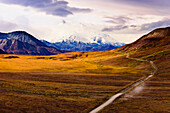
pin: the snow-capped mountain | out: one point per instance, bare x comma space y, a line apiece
21, 42
77, 43
103, 38
100, 39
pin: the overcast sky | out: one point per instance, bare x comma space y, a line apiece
54, 20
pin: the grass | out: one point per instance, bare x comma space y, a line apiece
155, 97
157, 55
60, 92
77, 82
82, 64
71, 82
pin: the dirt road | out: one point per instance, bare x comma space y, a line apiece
116, 96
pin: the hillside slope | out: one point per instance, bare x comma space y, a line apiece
152, 96
156, 38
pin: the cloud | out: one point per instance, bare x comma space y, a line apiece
133, 26
118, 27
153, 3
52, 7
153, 25
160, 7
118, 20
7, 26
133, 29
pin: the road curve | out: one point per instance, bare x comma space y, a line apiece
114, 97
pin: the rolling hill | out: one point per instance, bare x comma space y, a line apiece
153, 95
156, 38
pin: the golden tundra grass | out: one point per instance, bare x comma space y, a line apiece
70, 82
80, 64
155, 96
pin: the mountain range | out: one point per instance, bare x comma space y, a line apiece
20, 42
97, 43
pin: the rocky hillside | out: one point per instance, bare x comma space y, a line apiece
2, 52
20, 42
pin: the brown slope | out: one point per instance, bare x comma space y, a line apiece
154, 96
155, 46
156, 38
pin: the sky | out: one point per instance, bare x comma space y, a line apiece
55, 20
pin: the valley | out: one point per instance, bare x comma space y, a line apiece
74, 85
85, 56
77, 82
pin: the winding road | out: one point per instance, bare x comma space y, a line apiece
132, 86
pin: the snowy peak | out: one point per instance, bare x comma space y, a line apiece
99, 39
103, 38
76, 43
20, 42
75, 38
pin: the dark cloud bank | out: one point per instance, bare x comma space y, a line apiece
53, 7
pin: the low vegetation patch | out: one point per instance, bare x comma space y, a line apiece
10, 57
157, 55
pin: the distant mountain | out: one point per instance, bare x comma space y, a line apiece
103, 38
100, 38
97, 43
2, 52
20, 42
156, 38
